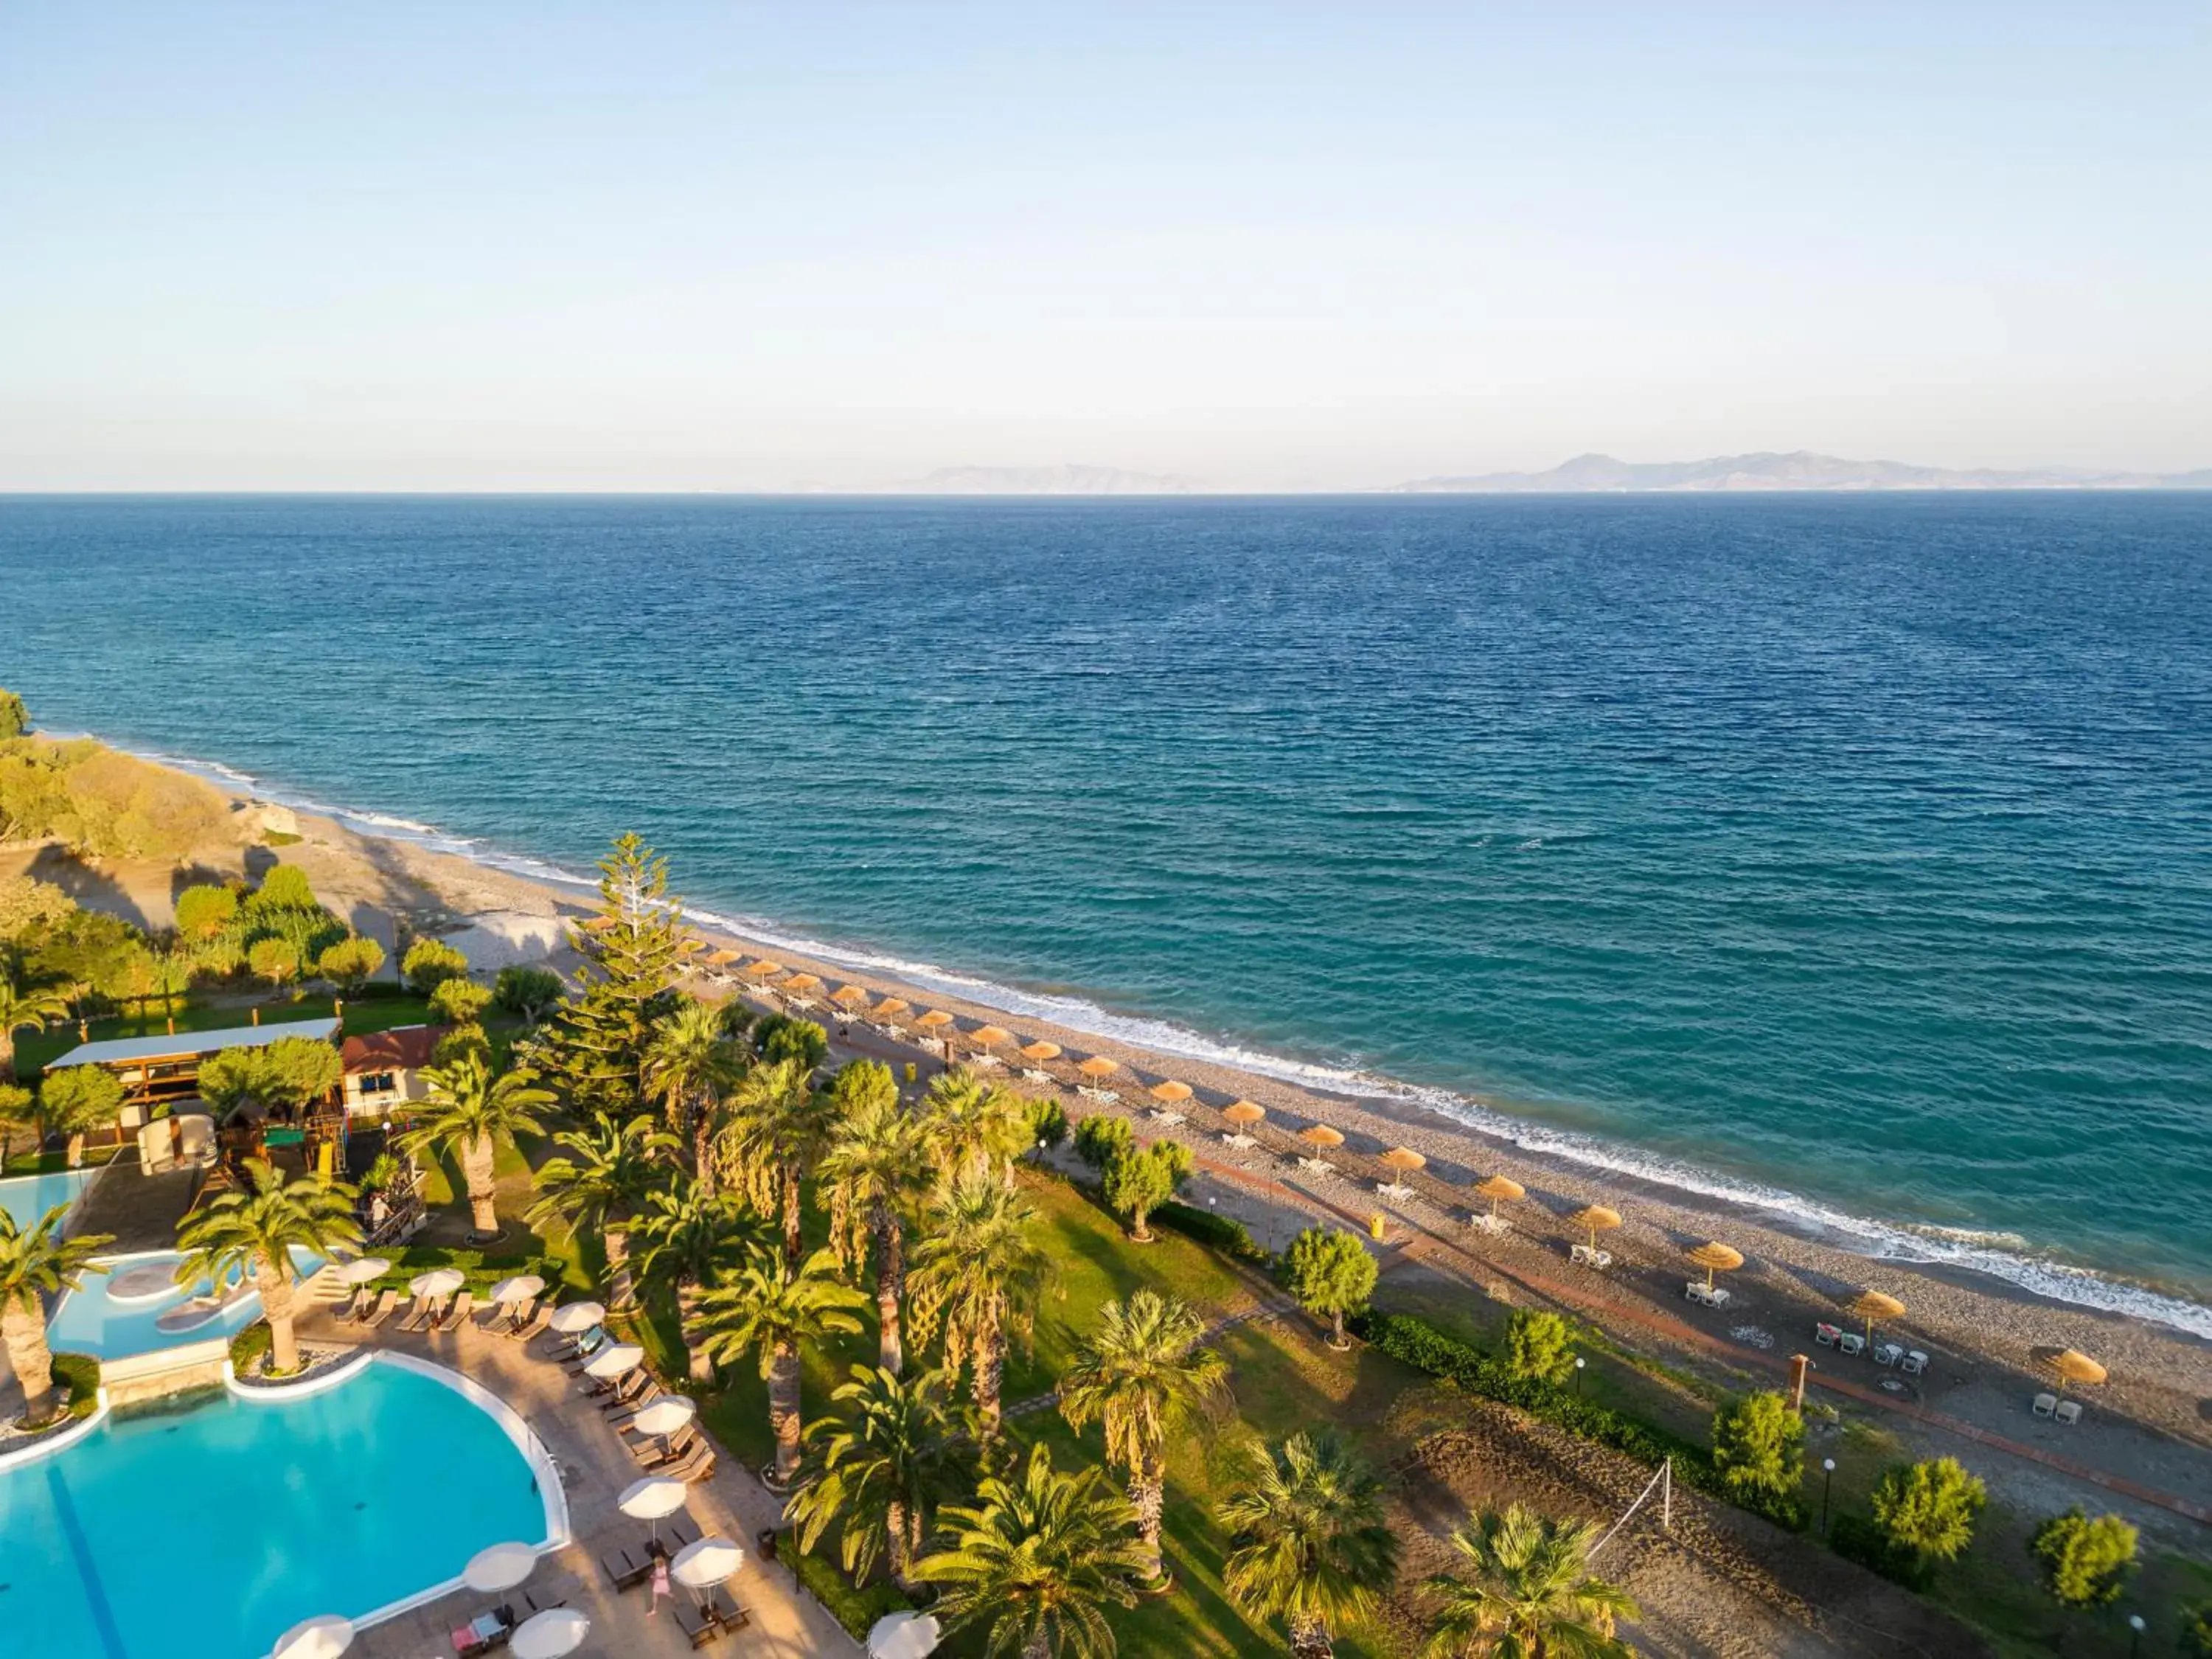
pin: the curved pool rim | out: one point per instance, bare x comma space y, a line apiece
307, 1264
542, 1467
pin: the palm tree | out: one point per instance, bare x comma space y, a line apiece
690, 1063
977, 1272
876, 1163
256, 1230
881, 1468
1532, 1594
472, 1113
771, 1310
24, 1008
689, 1236
1039, 1563
597, 1183
779, 1123
36, 1263
1142, 1374
1307, 1542
975, 1127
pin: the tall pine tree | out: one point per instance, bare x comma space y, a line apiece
633, 952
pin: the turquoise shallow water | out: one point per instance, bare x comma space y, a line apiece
25, 1199
96, 1320
207, 1533
1849, 854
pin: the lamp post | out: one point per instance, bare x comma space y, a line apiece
1827, 1486
2135, 1634
1579, 1363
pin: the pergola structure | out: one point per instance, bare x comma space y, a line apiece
165, 1067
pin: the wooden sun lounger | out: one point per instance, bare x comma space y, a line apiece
697, 1467
632, 1388
682, 1446
419, 1315
453, 1318
520, 1332
626, 1568
712, 1618
579, 1356
386, 1302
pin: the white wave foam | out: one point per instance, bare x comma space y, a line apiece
2004, 1255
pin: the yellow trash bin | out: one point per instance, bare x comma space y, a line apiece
1378, 1225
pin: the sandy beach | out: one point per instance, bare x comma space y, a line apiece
2152, 1424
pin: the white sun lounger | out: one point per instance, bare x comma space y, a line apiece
1397, 1189
984, 1062
2068, 1411
1161, 1114
1317, 1166
1913, 1364
1589, 1257
2045, 1404
1045, 1077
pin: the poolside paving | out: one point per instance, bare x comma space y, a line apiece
594, 1468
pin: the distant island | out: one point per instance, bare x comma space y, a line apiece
1800, 469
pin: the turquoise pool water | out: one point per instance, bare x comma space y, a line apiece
26, 1198
206, 1533
99, 1321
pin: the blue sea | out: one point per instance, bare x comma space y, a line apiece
1851, 856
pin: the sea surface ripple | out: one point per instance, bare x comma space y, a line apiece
1850, 855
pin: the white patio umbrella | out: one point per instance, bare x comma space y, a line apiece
614, 1361
652, 1499
438, 1281
576, 1317
705, 1563
360, 1270
502, 1567
903, 1635
553, 1634
323, 1638
664, 1416
520, 1288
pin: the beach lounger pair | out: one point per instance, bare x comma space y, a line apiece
711, 1617
579, 1352
628, 1565
420, 1315
1914, 1363
1045, 1077
655, 1458
1589, 1257
368, 1312
1827, 1335
501, 1317
626, 1392
522, 1330
456, 1314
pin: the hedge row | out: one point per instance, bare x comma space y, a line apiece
856, 1608
1209, 1227
1423, 1346
1858, 1538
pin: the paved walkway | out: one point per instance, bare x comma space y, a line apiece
594, 1467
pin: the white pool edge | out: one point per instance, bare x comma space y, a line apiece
60, 1440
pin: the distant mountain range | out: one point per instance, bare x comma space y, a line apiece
1063, 480
1587, 474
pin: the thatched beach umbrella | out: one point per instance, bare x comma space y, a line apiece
2071, 1367
1244, 1113
1097, 1066
1497, 1189
802, 983
722, 959
763, 969
1320, 1135
892, 1007
935, 1020
1040, 1050
1403, 1159
1871, 1305
1595, 1218
990, 1037
849, 996
1170, 1092
1715, 1257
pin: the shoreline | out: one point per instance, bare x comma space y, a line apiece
1973, 1255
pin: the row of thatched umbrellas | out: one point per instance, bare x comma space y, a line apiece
2068, 1366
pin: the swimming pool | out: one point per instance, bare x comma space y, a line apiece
135, 1307
25, 1198
206, 1533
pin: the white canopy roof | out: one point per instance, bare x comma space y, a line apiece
124, 1051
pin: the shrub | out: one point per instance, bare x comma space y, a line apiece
429, 964
79, 1373
1858, 1538
285, 888
2196, 1631
249, 1347
1928, 1508
530, 994
1137, 1182
28, 904
351, 963
1102, 1137
857, 1608
2084, 1561
381, 1175
1048, 1122
461, 1040
1330, 1274
276, 960
459, 1001
1224, 1233
1540, 1346
14, 719
1758, 1445
77, 1099
779, 1037
289, 1072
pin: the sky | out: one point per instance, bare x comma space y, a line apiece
659, 246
